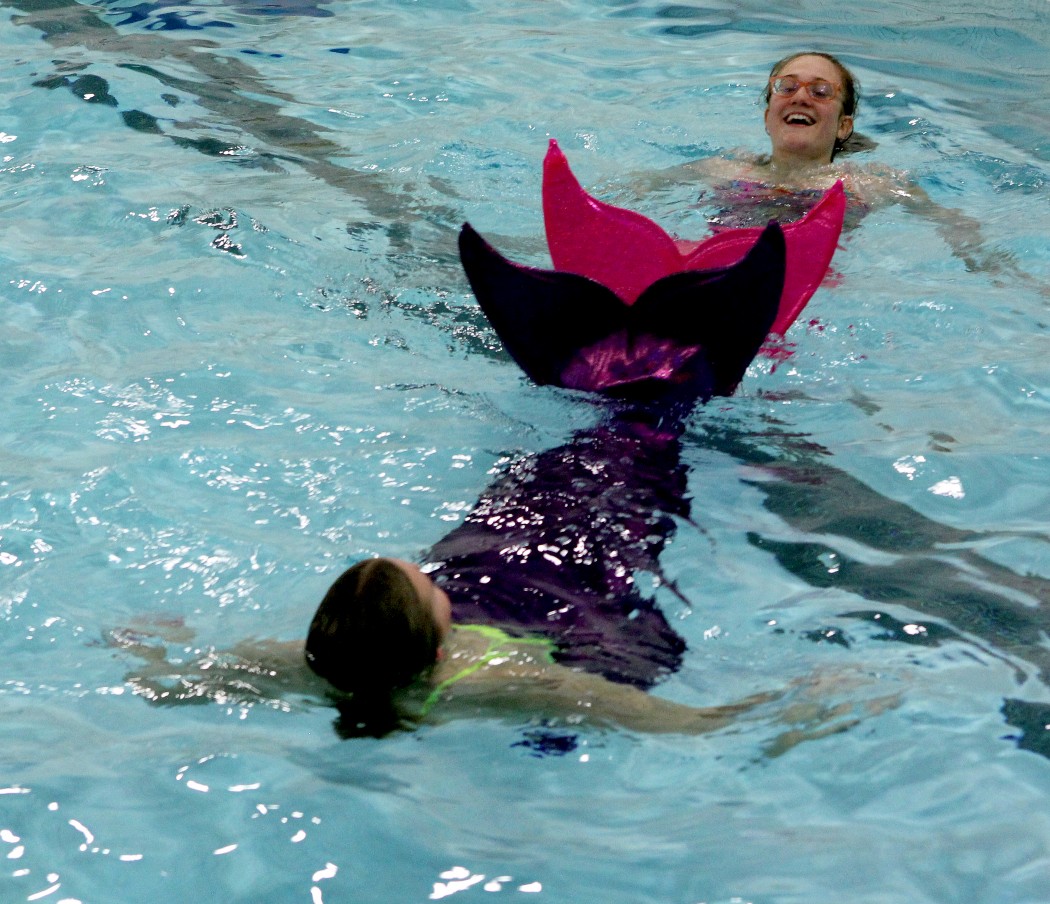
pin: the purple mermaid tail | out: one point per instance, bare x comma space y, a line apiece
554, 546
693, 331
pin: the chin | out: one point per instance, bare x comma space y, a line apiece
805, 153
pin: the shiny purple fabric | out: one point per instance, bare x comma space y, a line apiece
694, 332
556, 545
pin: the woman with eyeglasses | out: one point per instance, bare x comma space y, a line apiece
812, 100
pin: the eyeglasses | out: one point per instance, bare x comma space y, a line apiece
818, 88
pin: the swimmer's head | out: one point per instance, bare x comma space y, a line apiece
850, 85
824, 66
379, 627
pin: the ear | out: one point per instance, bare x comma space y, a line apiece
845, 128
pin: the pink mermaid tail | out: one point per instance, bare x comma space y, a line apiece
628, 252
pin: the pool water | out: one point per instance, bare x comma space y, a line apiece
239, 353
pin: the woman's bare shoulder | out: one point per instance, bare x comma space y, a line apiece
731, 166
721, 168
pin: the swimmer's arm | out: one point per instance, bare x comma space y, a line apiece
556, 692
814, 707
963, 234
605, 702
251, 671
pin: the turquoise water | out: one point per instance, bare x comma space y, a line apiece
239, 353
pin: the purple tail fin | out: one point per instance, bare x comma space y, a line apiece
696, 328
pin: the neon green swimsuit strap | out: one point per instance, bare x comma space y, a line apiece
500, 643
497, 637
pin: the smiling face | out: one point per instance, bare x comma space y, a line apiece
803, 129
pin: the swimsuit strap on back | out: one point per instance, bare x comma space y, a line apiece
500, 644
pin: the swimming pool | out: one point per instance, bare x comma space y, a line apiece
239, 353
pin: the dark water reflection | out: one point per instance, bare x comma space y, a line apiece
936, 570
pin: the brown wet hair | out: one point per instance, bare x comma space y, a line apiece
372, 633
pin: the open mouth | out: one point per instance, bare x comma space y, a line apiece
799, 119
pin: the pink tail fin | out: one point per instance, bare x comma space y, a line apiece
811, 243
619, 248
627, 252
